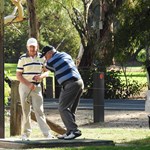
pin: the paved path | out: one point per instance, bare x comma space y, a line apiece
108, 104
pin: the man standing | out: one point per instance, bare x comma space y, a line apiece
29, 66
68, 76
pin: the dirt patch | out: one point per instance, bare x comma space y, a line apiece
113, 118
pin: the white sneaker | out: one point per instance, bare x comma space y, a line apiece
62, 136
25, 137
49, 136
73, 135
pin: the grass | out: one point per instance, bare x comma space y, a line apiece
11, 70
131, 73
141, 77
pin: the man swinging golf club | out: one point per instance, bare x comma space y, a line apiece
69, 77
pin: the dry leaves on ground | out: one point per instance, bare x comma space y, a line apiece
112, 118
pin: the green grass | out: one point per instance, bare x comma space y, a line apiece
10, 69
135, 73
140, 78
138, 75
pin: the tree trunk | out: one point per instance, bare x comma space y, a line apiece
93, 29
33, 28
2, 125
99, 46
87, 58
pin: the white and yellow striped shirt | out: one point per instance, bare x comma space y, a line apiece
30, 66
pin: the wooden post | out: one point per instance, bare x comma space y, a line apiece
148, 66
49, 88
98, 97
57, 89
2, 120
15, 110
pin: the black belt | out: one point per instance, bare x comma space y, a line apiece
36, 83
69, 80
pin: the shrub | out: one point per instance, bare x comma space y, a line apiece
115, 88
119, 89
7, 85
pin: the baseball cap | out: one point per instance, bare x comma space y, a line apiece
32, 41
46, 49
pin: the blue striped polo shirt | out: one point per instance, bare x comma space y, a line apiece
30, 66
63, 66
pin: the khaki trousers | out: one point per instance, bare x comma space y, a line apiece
37, 105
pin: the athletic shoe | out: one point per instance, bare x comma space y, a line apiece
63, 136
73, 135
49, 136
25, 137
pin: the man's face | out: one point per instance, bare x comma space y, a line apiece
32, 50
48, 55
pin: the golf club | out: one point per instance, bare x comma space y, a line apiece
27, 100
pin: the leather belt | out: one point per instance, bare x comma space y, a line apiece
36, 83
69, 81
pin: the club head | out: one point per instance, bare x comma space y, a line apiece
27, 100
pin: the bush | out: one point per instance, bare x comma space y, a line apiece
7, 86
87, 76
115, 88
118, 89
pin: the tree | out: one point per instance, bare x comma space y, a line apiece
33, 27
93, 23
99, 25
132, 32
2, 125
15, 29
54, 27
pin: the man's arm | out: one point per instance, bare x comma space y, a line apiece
42, 75
24, 81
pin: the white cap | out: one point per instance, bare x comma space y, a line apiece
32, 41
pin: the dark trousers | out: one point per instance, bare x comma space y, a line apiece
68, 102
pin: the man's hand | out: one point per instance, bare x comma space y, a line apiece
32, 86
37, 78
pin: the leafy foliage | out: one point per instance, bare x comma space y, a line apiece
87, 76
118, 89
132, 28
61, 27
7, 85
54, 25
115, 87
